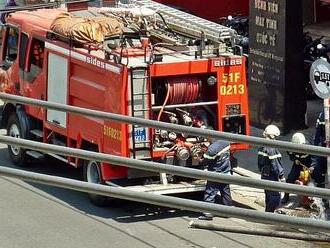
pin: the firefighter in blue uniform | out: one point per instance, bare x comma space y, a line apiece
270, 166
319, 164
217, 159
299, 161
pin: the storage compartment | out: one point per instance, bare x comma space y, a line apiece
189, 100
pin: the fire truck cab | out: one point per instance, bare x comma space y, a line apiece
156, 63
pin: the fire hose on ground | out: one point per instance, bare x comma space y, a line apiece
318, 237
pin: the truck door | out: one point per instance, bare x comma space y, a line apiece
34, 79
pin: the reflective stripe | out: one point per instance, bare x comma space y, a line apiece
270, 157
216, 155
320, 122
263, 154
304, 156
275, 156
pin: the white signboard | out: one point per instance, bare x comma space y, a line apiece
319, 76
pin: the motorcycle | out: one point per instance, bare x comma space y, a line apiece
238, 23
241, 25
313, 50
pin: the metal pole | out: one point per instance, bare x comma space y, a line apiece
260, 232
288, 146
168, 201
327, 138
171, 169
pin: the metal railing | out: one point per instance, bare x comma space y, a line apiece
168, 201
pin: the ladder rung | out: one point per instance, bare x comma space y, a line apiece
140, 94
142, 142
140, 110
145, 77
136, 126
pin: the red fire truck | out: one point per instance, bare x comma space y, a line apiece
144, 60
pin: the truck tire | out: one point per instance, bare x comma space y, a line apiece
92, 174
16, 128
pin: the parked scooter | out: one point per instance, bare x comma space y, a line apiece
313, 50
241, 25
238, 23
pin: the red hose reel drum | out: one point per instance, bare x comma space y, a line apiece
182, 90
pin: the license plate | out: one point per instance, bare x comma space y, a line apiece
140, 134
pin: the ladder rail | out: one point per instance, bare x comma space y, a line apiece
134, 110
194, 25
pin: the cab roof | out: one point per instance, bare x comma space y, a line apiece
36, 21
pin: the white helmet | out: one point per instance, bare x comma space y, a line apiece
271, 131
298, 138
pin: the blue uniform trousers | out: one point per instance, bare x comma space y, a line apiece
272, 200
319, 174
212, 188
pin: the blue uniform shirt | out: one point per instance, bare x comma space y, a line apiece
304, 159
269, 163
217, 157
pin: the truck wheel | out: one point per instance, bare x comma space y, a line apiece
92, 174
14, 129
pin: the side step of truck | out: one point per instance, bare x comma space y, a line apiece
35, 154
61, 159
170, 188
37, 132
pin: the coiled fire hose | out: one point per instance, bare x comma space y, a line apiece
180, 90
